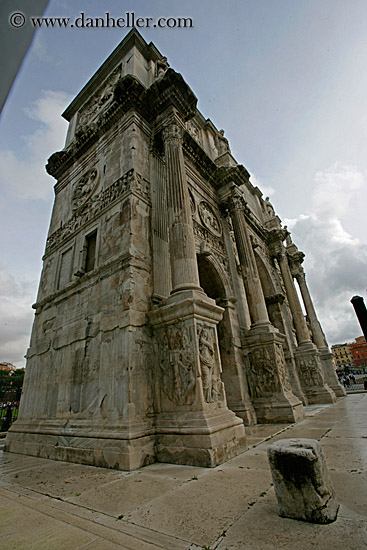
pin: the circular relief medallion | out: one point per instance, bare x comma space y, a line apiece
84, 188
209, 218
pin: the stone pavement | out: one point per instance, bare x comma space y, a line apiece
56, 505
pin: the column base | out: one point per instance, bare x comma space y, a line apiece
106, 448
247, 413
268, 378
329, 371
197, 440
282, 408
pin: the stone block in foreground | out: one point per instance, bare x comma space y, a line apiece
301, 480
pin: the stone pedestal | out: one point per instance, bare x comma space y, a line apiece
329, 371
310, 369
301, 480
268, 379
193, 423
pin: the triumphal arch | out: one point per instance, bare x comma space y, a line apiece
167, 317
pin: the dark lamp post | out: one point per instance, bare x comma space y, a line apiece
361, 312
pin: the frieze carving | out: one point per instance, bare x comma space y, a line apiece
101, 101
209, 218
310, 371
207, 236
177, 370
213, 244
84, 188
194, 131
262, 373
210, 372
91, 208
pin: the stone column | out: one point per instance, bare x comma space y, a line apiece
307, 357
184, 267
254, 292
193, 423
303, 335
317, 333
267, 373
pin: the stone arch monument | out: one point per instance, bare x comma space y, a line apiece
158, 335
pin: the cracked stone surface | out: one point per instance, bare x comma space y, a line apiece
302, 482
56, 505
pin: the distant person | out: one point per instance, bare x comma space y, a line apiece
7, 419
365, 384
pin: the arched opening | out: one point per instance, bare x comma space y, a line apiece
210, 280
272, 298
213, 286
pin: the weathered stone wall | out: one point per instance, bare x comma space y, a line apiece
167, 314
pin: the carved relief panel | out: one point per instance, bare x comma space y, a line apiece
177, 370
267, 371
262, 374
101, 100
194, 131
91, 204
209, 218
310, 370
84, 188
282, 368
213, 388
185, 356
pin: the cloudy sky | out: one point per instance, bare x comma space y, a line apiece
287, 81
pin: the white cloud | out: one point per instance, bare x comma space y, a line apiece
336, 262
24, 178
16, 317
23, 174
265, 189
335, 189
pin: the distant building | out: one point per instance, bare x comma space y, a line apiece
9, 367
358, 350
342, 356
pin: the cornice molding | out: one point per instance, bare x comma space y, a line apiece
129, 94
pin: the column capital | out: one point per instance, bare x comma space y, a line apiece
298, 272
236, 201
172, 131
275, 238
295, 264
